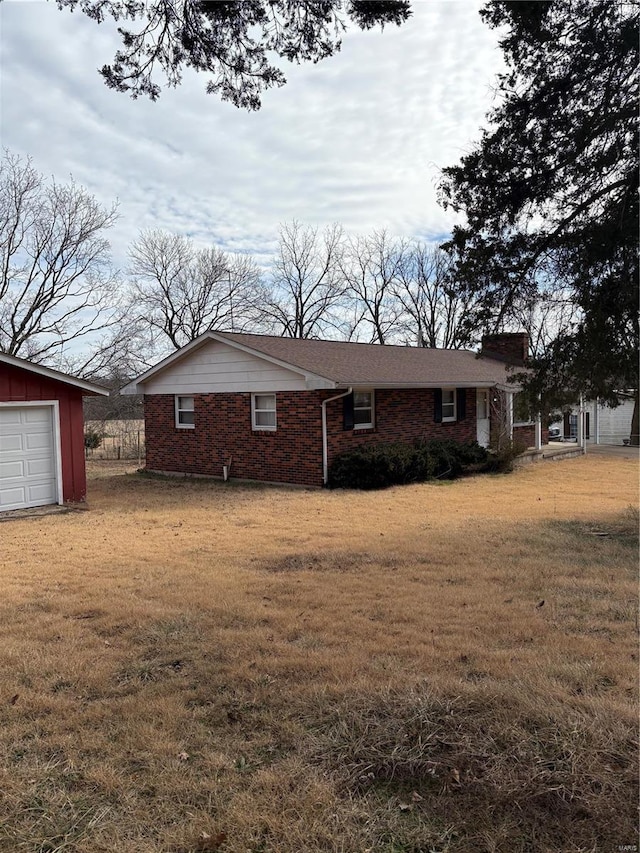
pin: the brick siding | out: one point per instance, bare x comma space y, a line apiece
293, 452
508, 346
400, 415
527, 435
290, 454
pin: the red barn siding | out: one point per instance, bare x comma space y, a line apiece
17, 385
293, 452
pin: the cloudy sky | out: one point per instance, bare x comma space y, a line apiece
357, 139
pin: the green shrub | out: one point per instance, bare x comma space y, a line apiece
376, 466
92, 439
500, 460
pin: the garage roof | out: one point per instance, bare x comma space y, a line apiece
89, 388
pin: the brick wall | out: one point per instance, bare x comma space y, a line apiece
290, 454
527, 435
511, 347
293, 453
400, 415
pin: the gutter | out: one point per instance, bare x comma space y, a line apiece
325, 449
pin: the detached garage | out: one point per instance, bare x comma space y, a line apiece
41, 435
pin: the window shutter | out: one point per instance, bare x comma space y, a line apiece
437, 405
461, 403
347, 412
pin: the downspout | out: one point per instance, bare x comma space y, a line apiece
325, 449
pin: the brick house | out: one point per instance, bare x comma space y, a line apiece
279, 409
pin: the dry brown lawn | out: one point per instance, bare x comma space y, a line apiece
194, 666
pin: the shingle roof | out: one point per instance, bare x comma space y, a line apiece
376, 365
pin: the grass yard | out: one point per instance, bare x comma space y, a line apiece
194, 666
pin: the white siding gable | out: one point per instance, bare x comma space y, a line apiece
217, 367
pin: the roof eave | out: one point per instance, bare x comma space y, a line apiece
90, 387
448, 383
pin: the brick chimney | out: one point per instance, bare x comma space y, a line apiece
512, 347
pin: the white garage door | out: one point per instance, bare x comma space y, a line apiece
27, 457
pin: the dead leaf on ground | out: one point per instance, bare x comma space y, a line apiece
210, 843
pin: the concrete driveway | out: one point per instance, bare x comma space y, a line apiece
614, 450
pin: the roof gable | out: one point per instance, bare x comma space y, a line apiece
90, 388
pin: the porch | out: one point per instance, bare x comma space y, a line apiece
549, 452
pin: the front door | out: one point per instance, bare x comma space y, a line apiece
482, 416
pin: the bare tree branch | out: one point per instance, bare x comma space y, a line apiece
180, 291
435, 312
57, 284
307, 290
373, 266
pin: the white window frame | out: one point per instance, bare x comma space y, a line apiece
180, 409
370, 423
448, 419
254, 411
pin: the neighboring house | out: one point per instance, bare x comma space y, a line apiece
602, 424
280, 409
41, 435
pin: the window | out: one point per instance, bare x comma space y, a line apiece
522, 415
573, 426
185, 413
448, 404
263, 411
362, 409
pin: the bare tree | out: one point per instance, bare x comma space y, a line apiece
180, 291
545, 315
307, 288
57, 284
123, 349
373, 267
434, 312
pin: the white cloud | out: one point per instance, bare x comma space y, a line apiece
358, 138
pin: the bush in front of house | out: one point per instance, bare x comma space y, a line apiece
376, 466
501, 459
